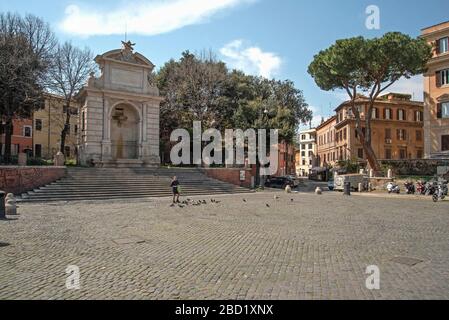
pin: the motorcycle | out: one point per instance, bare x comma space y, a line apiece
431, 188
393, 188
421, 188
409, 188
440, 193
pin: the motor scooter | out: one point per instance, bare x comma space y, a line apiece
421, 188
393, 188
440, 192
409, 188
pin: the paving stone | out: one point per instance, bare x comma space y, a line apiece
313, 249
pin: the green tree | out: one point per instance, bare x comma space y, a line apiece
370, 66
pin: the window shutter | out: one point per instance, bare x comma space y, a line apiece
404, 112
398, 132
439, 110
437, 47
438, 77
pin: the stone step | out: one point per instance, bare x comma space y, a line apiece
103, 184
54, 198
118, 190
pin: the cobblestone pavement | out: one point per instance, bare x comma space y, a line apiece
312, 248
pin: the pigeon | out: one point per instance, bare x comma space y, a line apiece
172, 205
276, 197
181, 206
292, 200
244, 200
268, 205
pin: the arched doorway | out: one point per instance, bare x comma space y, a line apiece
125, 122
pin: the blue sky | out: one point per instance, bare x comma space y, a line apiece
274, 38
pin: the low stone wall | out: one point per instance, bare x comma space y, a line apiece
421, 167
380, 183
18, 180
230, 175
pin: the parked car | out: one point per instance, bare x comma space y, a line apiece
294, 179
279, 182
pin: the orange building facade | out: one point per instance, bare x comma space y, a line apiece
397, 131
22, 137
326, 145
436, 93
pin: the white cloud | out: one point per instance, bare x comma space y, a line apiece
250, 59
145, 18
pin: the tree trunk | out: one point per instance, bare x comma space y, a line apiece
371, 157
65, 130
8, 141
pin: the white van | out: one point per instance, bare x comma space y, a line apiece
354, 179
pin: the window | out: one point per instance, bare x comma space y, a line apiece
419, 116
388, 154
83, 121
419, 154
76, 129
402, 134
418, 135
303, 147
303, 137
388, 134
38, 125
375, 113
310, 146
402, 154
27, 131
303, 162
345, 134
38, 151
445, 143
442, 77
443, 110
443, 45
387, 114
360, 153
401, 115
303, 154
310, 154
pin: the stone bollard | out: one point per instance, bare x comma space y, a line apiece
59, 160
288, 189
2, 205
11, 208
318, 191
370, 187
390, 174
360, 187
371, 173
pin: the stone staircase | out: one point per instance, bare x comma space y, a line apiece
127, 183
